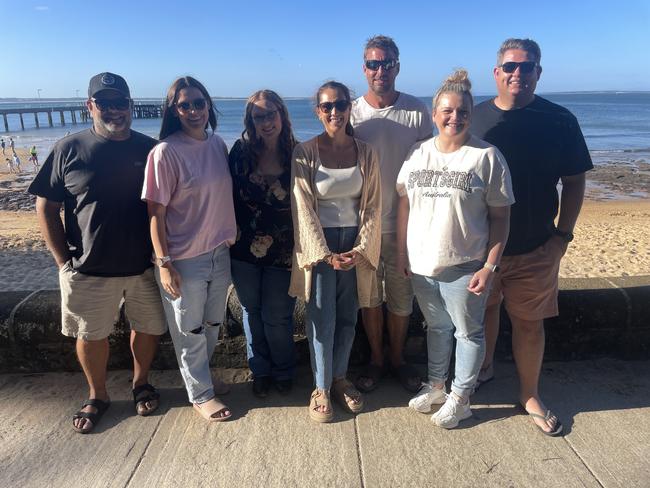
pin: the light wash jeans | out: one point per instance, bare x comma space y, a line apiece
195, 317
267, 313
450, 310
332, 312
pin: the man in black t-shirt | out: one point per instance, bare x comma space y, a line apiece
103, 249
543, 145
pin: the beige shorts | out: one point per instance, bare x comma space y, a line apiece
90, 305
528, 283
392, 286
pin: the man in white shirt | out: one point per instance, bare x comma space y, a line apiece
392, 122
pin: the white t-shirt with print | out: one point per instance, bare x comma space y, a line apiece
392, 131
449, 195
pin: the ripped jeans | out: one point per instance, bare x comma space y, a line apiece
195, 317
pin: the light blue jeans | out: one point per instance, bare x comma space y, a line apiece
332, 312
267, 313
450, 310
195, 317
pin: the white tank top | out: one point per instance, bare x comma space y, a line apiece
338, 192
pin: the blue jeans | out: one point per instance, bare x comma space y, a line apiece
332, 312
195, 317
267, 312
451, 310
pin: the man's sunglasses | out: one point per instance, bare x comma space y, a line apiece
197, 104
525, 67
340, 105
375, 64
104, 104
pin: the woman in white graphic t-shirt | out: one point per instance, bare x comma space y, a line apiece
453, 217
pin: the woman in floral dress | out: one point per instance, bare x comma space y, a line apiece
260, 164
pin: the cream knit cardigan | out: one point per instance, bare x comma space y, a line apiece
310, 246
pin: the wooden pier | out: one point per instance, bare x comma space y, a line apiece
78, 113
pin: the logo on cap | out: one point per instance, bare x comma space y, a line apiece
108, 79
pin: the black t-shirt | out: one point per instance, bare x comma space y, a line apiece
541, 143
99, 182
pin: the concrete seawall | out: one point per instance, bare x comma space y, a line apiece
604, 317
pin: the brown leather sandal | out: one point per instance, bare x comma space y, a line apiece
320, 398
346, 395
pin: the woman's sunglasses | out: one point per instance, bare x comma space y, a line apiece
197, 104
340, 105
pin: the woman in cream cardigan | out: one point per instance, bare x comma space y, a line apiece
336, 206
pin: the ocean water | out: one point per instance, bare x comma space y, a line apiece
616, 125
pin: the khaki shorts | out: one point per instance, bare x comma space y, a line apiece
528, 283
397, 289
90, 305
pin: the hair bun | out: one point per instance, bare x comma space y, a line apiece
459, 77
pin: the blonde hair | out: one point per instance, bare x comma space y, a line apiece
457, 82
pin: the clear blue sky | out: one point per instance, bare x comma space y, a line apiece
238, 47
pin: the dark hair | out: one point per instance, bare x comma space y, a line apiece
381, 42
170, 121
528, 45
342, 89
254, 144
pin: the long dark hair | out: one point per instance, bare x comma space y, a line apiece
343, 90
253, 144
170, 122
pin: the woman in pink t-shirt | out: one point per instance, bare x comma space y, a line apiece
188, 191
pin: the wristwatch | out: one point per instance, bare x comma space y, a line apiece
567, 236
160, 262
492, 267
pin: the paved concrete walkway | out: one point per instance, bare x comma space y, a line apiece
605, 406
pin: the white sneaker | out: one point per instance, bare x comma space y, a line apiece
426, 397
451, 413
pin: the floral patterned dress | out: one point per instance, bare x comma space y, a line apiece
263, 213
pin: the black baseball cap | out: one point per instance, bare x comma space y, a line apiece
108, 81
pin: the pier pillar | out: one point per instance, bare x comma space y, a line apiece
73, 116
4, 116
36, 120
62, 117
49, 119
22, 124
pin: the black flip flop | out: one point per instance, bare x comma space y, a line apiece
372, 372
558, 425
94, 417
143, 394
408, 377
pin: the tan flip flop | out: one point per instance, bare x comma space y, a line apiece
320, 398
212, 410
346, 395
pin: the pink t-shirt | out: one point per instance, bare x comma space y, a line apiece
191, 178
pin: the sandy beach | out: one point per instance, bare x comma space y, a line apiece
611, 238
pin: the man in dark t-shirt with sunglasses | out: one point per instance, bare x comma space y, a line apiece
543, 145
102, 248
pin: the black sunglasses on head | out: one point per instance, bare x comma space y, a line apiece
197, 104
340, 105
525, 67
375, 64
104, 104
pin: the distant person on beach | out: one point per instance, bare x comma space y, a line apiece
543, 144
16, 161
2, 143
336, 205
452, 225
104, 251
12, 145
392, 122
260, 165
188, 190
33, 156
10, 165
